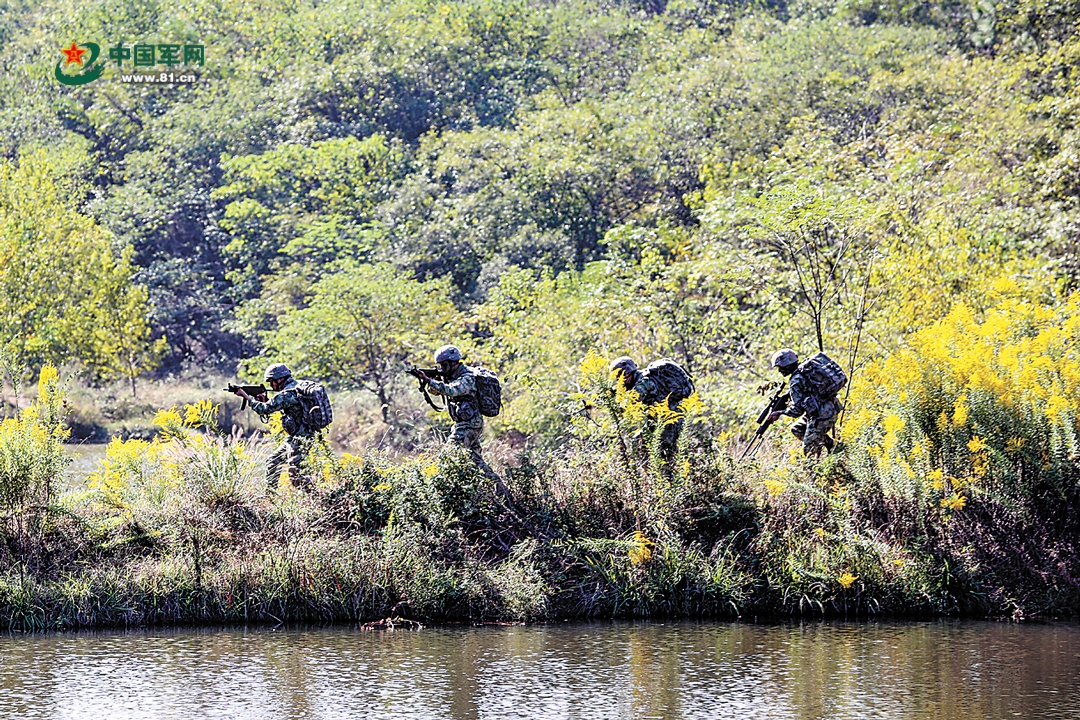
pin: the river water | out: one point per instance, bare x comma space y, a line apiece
948, 670
84, 460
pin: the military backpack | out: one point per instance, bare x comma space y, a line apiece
825, 377
316, 404
674, 383
488, 391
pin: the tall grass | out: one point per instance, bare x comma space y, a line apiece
956, 494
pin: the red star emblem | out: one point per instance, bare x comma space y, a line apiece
74, 54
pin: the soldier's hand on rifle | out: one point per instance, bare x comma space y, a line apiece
774, 416
261, 397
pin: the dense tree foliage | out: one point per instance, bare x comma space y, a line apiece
65, 291
704, 180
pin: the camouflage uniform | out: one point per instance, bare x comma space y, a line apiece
649, 392
460, 393
818, 415
292, 450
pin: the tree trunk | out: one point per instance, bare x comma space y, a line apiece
131, 375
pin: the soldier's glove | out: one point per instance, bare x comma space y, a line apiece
774, 416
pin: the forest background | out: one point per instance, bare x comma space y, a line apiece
349, 185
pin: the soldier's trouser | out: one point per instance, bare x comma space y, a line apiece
469, 438
814, 433
290, 452
669, 439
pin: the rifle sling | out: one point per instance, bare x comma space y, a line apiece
423, 389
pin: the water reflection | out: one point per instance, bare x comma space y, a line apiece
679, 670
84, 460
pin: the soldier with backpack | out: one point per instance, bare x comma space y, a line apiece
813, 385
305, 410
662, 381
471, 393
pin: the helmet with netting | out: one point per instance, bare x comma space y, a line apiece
447, 353
276, 371
783, 358
624, 364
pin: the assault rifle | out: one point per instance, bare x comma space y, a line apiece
422, 381
778, 401
256, 391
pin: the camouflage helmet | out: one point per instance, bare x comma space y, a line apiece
783, 358
447, 353
275, 371
624, 364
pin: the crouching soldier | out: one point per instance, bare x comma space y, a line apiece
813, 385
662, 381
305, 409
457, 382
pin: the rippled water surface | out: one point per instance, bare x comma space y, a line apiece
680, 670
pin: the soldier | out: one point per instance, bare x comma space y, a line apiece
458, 386
662, 380
298, 432
814, 385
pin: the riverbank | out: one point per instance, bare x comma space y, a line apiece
175, 533
182, 529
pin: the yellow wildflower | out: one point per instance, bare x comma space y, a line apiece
893, 423
1057, 406
846, 580
593, 369
955, 501
350, 460
200, 414
692, 405
775, 487
48, 382
960, 411
641, 548
169, 422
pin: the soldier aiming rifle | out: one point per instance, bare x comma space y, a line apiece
470, 393
305, 411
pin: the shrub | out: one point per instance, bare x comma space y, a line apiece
32, 457
974, 406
